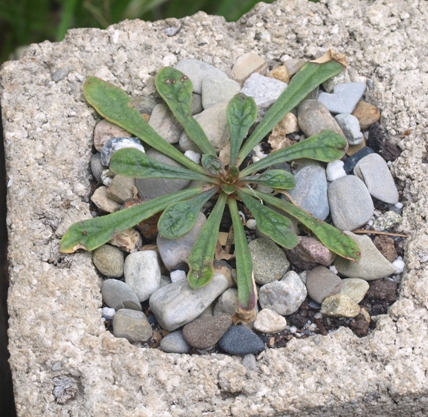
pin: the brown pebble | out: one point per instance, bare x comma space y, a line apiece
383, 289
366, 113
280, 73
385, 245
206, 331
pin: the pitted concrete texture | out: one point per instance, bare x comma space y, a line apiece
63, 361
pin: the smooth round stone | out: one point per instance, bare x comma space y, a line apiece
227, 303
366, 113
174, 343
247, 65
96, 166
284, 296
344, 98
177, 304
314, 117
132, 325
375, 173
213, 122
354, 288
206, 331
350, 127
351, 205
174, 252
269, 261
165, 124
310, 192
109, 261
350, 162
122, 188
197, 71
218, 90
267, 321
117, 294
101, 199
322, 283
239, 340
372, 265
104, 131
309, 252
142, 273
149, 188
115, 144
340, 305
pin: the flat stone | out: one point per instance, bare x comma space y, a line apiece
175, 343
366, 113
114, 144
218, 90
174, 252
143, 273
227, 303
341, 78
102, 200
322, 283
109, 261
340, 305
309, 253
374, 171
165, 124
268, 321
264, 90
313, 117
239, 340
149, 188
117, 294
122, 188
350, 127
197, 71
354, 288
132, 325
310, 192
269, 261
214, 123
177, 304
206, 331
284, 296
104, 131
246, 65
350, 202
128, 240
372, 265
344, 98
354, 158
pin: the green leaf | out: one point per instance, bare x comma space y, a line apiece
329, 236
176, 89
306, 80
241, 114
92, 233
212, 164
228, 188
278, 179
325, 146
131, 162
202, 255
270, 222
180, 217
247, 293
114, 104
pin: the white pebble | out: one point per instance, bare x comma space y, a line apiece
399, 205
293, 329
258, 151
399, 264
194, 156
318, 316
108, 312
177, 275
335, 170
251, 224
333, 269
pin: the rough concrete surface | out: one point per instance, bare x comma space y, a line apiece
63, 361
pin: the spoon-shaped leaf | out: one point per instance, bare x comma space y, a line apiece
241, 114
278, 179
325, 146
201, 257
131, 162
212, 164
306, 80
247, 292
114, 104
271, 223
176, 89
92, 233
180, 217
329, 236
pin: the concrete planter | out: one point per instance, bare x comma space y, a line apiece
63, 361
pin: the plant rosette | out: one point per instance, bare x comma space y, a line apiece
226, 183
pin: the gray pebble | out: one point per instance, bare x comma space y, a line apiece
165, 124
239, 340
175, 343
322, 283
249, 361
227, 303
350, 127
354, 288
144, 105
109, 261
132, 325
218, 90
117, 294
96, 166
122, 188
344, 98
350, 203
102, 200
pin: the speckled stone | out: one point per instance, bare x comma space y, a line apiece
109, 261
339, 305
239, 340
